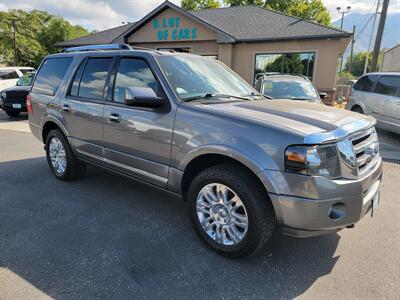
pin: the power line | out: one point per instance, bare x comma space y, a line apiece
368, 17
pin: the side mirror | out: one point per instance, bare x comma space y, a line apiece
323, 95
142, 97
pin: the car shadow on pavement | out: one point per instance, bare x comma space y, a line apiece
105, 236
5, 119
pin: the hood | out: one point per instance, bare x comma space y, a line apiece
301, 116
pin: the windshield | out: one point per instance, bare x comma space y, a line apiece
296, 89
25, 80
199, 77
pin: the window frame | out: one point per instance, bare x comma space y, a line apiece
308, 51
113, 77
84, 61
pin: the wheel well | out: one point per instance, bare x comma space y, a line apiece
205, 161
48, 126
356, 106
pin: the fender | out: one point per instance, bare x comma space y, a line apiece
51, 118
252, 164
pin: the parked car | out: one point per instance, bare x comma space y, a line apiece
10, 75
378, 94
192, 127
287, 86
13, 99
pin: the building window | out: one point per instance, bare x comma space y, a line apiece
292, 63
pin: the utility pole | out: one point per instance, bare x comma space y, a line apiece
342, 12
351, 49
370, 37
379, 34
14, 29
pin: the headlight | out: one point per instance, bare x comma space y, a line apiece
322, 160
3, 95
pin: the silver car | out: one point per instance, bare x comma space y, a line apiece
190, 126
378, 94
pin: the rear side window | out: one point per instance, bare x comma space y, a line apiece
366, 83
8, 74
133, 72
94, 78
50, 75
388, 85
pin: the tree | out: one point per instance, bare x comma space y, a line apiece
36, 33
199, 4
357, 68
312, 10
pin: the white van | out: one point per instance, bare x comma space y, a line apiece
10, 75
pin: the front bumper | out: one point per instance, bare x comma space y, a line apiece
313, 205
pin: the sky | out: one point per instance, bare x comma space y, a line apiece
104, 14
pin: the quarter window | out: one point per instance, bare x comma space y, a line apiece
77, 79
365, 83
50, 75
94, 78
388, 85
132, 72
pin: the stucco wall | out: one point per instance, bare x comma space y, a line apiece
327, 53
391, 60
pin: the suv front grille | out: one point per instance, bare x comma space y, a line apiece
366, 149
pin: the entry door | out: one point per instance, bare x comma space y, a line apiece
137, 140
82, 109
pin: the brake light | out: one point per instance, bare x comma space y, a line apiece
29, 104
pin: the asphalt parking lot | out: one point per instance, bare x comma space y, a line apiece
105, 236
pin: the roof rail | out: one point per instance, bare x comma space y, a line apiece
98, 47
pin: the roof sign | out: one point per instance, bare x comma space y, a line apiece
170, 29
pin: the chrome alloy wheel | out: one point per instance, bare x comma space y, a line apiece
222, 214
57, 155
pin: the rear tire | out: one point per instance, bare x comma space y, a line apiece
218, 223
357, 109
60, 158
13, 114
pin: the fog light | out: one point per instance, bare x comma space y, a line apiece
337, 211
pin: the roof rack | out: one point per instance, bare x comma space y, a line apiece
98, 47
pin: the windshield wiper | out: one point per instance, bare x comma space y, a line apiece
210, 95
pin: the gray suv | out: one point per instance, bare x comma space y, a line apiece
190, 126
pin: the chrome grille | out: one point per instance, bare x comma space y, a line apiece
366, 149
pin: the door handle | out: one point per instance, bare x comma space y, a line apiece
387, 101
66, 108
116, 118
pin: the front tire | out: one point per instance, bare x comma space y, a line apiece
230, 210
60, 158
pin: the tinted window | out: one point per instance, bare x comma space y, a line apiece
133, 73
94, 78
77, 79
50, 75
365, 83
388, 85
8, 74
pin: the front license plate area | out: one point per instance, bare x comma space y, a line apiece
16, 105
